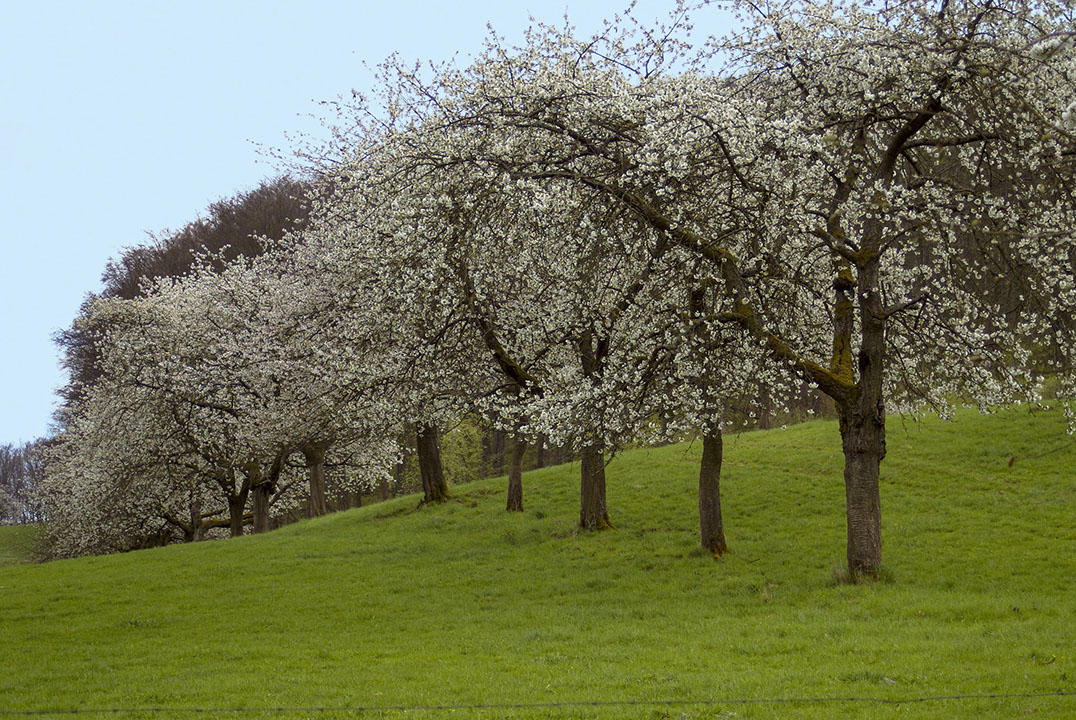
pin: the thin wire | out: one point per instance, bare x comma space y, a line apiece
531, 706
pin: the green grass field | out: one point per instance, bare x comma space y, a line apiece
465, 605
16, 544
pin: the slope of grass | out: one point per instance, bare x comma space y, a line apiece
16, 544
465, 605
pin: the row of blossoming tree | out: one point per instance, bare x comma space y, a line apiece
582, 234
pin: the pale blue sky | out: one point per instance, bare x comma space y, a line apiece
122, 118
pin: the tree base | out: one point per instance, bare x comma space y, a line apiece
718, 551
599, 526
435, 500
842, 576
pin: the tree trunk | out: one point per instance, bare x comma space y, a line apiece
434, 487
863, 442
542, 455
350, 499
711, 530
497, 451
315, 462
764, 412
197, 526
862, 424
237, 504
593, 514
263, 487
487, 448
262, 493
558, 456
515, 475
318, 505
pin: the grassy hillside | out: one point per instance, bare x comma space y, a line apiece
466, 605
16, 544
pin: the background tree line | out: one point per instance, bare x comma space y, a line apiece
21, 472
583, 243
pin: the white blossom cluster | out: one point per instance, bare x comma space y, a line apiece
600, 239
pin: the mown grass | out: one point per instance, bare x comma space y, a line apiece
467, 605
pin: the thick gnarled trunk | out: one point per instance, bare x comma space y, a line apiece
862, 424
711, 529
434, 487
263, 485
515, 475
237, 498
863, 440
593, 514
237, 504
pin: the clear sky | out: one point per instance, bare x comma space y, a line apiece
124, 118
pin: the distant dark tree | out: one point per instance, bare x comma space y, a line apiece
235, 227
8, 468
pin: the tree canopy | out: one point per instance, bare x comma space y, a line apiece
597, 239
